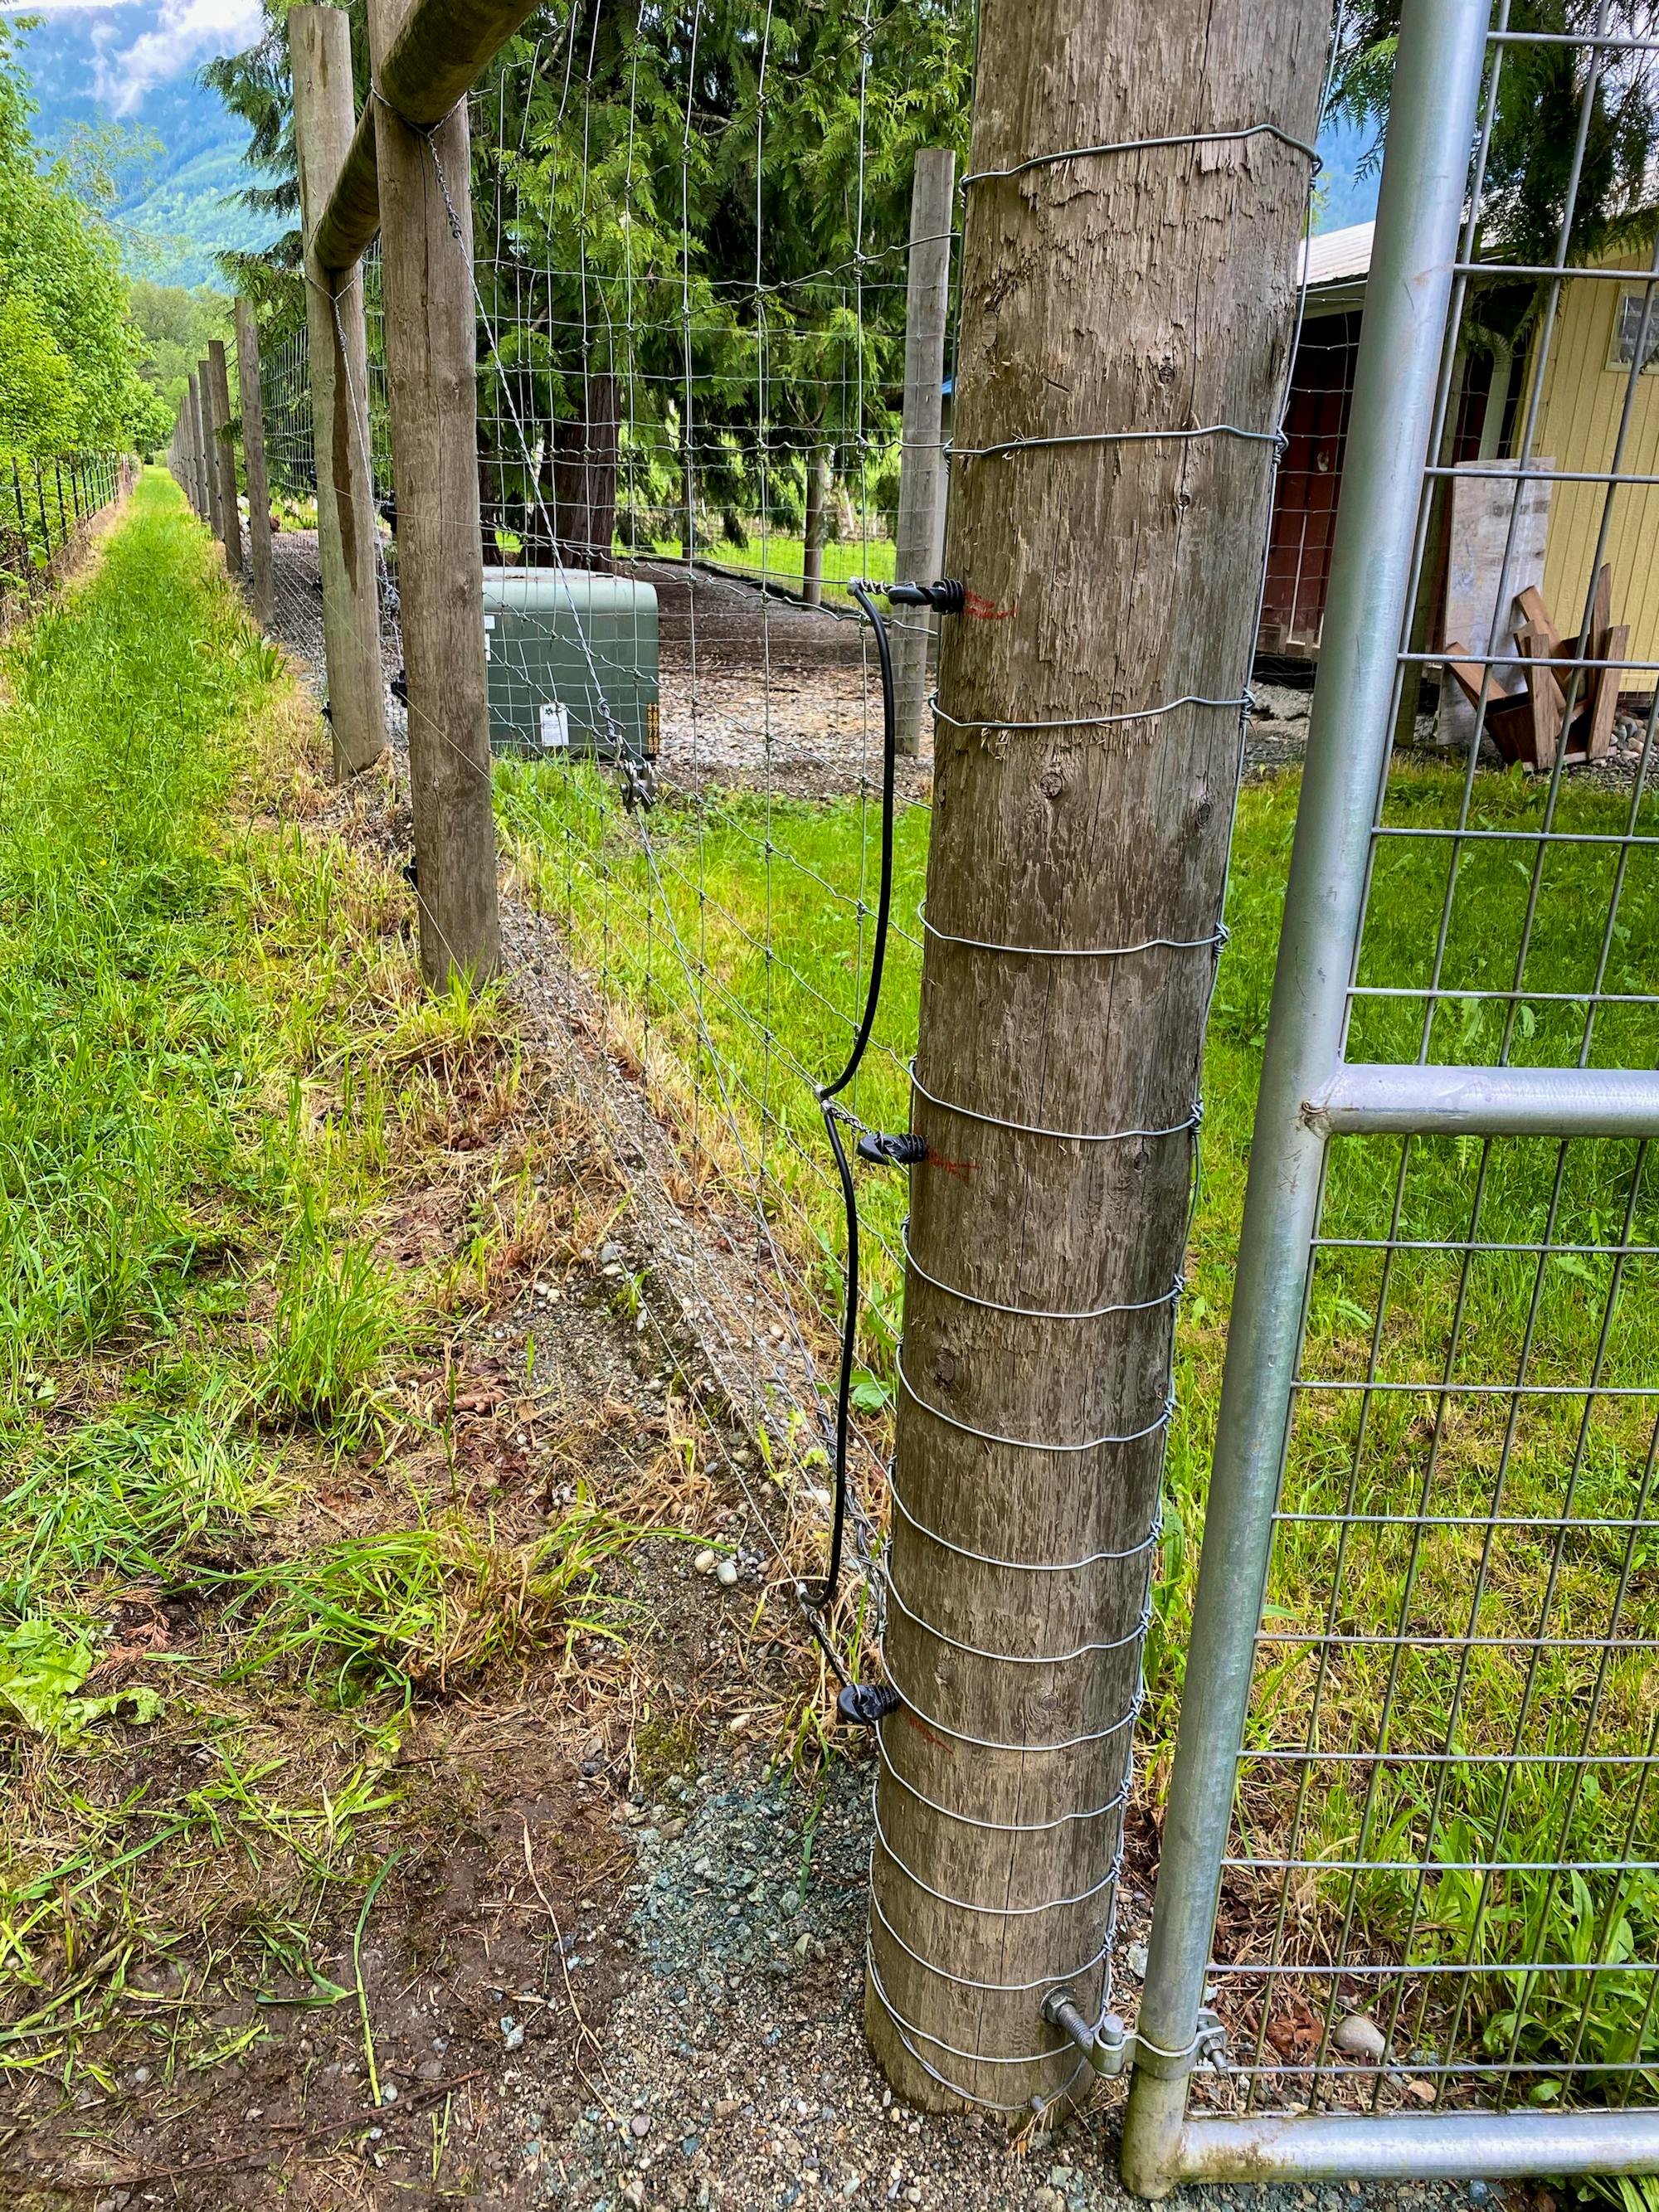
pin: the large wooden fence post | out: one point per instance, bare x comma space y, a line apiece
920, 539
1117, 303
198, 495
252, 393
320, 48
212, 424
223, 458
431, 346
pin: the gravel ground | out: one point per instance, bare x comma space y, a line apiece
734, 2072
758, 690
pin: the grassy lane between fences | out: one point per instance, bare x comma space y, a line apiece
333, 1603
318, 1596
761, 971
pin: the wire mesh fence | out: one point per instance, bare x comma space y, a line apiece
1442, 1888
684, 457
1443, 1885
43, 503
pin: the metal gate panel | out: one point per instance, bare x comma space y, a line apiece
1410, 1854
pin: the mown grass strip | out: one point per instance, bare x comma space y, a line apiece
219, 1079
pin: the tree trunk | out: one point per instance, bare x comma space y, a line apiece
818, 527
583, 470
1078, 814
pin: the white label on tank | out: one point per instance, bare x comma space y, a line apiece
556, 728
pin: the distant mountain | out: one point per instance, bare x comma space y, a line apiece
94, 66
132, 62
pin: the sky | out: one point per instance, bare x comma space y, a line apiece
133, 46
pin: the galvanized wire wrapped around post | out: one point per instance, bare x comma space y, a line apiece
1088, 736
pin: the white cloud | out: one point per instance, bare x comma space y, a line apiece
62, 7
185, 33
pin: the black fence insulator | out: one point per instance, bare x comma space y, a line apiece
328, 711
410, 876
398, 688
864, 1704
947, 597
902, 1150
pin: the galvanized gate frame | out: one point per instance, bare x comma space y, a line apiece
1308, 1094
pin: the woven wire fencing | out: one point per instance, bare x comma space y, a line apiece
710, 421
689, 447
43, 503
291, 469
1444, 1886
676, 426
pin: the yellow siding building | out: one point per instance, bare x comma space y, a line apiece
1585, 383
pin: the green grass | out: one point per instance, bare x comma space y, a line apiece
777, 555
763, 896
217, 1075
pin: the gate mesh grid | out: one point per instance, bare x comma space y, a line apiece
1443, 1884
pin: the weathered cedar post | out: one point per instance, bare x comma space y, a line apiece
320, 50
431, 349
224, 457
920, 539
212, 424
1115, 303
254, 460
198, 491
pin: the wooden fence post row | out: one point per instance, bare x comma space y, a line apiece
319, 46
250, 395
419, 169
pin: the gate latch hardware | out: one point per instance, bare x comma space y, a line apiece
1112, 2048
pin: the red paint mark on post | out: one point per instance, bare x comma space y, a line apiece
984, 610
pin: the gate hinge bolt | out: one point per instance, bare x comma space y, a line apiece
1112, 2048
